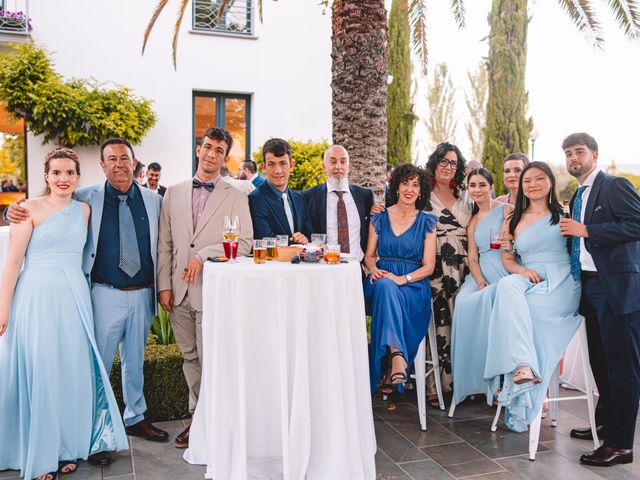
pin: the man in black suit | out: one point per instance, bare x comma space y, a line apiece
339, 208
605, 254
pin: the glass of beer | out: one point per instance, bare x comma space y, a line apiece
282, 240
231, 234
332, 254
259, 251
272, 251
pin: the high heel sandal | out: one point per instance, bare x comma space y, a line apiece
67, 463
398, 377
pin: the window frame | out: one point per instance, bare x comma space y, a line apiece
249, 15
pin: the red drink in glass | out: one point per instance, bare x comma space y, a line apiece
234, 250
495, 245
227, 249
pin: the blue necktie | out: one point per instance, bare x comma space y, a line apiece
575, 241
129, 253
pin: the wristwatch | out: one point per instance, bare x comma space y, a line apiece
408, 277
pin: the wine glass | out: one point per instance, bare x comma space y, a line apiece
231, 234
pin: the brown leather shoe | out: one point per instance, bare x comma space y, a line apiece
182, 440
100, 459
585, 433
146, 430
607, 457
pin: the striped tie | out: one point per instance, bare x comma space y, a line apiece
343, 224
575, 241
129, 253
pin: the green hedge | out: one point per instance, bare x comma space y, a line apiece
165, 388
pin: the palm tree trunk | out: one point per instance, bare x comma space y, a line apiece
359, 88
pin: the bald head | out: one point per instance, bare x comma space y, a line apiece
336, 163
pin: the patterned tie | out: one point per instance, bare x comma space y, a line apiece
575, 241
287, 211
129, 253
343, 224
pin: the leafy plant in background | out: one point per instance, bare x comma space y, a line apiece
69, 112
161, 328
308, 156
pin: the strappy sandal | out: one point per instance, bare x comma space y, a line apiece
66, 463
398, 377
434, 402
45, 476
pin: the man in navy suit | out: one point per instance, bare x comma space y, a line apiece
338, 208
275, 208
249, 171
605, 254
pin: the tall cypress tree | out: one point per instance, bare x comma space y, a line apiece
506, 129
400, 116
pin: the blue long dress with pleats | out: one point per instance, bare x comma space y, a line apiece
470, 329
56, 402
399, 314
532, 324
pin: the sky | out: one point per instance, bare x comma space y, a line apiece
572, 86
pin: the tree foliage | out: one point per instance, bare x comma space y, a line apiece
441, 98
69, 112
308, 170
400, 116
476, 103
12, 156
506, 129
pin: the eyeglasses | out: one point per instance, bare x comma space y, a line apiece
444, 163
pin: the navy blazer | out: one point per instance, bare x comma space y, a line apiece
316, 198
268, 217
612, 217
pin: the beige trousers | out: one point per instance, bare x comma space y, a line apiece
187, 327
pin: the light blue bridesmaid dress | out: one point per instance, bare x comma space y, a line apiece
470, 329
399, 313
532, 324
56, 402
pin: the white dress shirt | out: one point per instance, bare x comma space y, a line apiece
353, 218
586, 261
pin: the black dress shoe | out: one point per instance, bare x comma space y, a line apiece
147, 431
100, 459
607, 457
585, 433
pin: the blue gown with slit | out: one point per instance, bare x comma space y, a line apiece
532, 323
399, 314
470, 326
56, 402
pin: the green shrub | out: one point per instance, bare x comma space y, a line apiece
161, 328
308, 171
165, 388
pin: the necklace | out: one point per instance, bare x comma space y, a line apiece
403, 217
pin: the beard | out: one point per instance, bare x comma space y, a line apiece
339, 183
582, 170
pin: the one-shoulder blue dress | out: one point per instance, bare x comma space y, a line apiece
470, 328
532, 323
399, 314
56, 402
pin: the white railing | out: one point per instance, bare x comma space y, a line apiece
237, 17
14, 17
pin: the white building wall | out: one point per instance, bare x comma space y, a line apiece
286, 69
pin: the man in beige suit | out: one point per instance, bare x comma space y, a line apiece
191, 223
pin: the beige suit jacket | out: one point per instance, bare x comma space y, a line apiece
178, 243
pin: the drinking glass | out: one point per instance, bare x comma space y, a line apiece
282, 240
259, 251
332, 254
318, 239
272, 251
496, 239
231, 234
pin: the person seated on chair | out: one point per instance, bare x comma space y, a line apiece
535, 312
401, 254
275, 208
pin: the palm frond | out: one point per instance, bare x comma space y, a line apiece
176, 30
581, 13
152, 22
260, 10
457, 6
222, 6
627, 14
418, 25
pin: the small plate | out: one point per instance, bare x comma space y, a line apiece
347, 256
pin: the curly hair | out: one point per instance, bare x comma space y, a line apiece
405, 172
438, 154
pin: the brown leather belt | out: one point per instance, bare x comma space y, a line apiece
128, 289
585, 273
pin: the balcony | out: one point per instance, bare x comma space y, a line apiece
237, 18
14, 19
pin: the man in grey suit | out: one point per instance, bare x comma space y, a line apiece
119, 262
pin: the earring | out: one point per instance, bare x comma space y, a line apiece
433, 181
453, 184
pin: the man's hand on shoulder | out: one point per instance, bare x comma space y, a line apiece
17, 213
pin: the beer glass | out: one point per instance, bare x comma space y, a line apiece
259, 251
318, 240
272, 252
282, 240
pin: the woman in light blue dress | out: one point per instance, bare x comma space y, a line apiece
56, 403
401, 254
474, 301
534, 315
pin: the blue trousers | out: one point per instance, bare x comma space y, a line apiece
122, 320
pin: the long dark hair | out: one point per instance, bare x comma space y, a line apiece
522, 202
405, 172
483, 172
438, 154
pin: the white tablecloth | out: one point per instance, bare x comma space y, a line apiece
285, 384
4, 244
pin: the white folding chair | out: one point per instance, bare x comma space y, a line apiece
421, 372
554, 398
